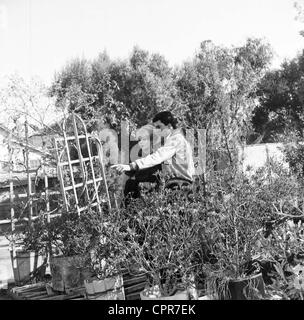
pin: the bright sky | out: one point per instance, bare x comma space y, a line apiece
37, 37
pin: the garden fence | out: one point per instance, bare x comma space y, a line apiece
82, 178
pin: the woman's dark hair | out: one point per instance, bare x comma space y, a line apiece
166, 118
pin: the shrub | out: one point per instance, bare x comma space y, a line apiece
159, 234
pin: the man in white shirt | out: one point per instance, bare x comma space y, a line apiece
175, 156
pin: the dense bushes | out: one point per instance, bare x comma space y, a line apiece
235, 226
215, 90
221, 233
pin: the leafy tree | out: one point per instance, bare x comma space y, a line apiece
23, 100
146, 84
133, 89
217, 89
279, 115
86, 88
281, 96
72, 87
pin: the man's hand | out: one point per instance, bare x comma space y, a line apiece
121, 167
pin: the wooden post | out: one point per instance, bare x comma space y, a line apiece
13, 248
46, 189
47, 200
93, 173
71, 170
84, 173
100, 157
29, 182
202, 153
59, 171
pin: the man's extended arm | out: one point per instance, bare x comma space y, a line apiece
160, 155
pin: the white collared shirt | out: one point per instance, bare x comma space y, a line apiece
176, 156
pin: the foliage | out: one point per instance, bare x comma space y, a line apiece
218, 90
66, 233
294, 155
87, 88
146, 85
281, 97
284, 249
275, 188
233, 226
110, 91
214, 90
26, 100
279, 113
159, 234
243, 211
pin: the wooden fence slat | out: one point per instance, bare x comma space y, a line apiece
77, 185
100, 153
93, 173
29, 182
8, 221
71, 169
12, 212
66, 163
61, 181
70, 138
46, 193
84, 177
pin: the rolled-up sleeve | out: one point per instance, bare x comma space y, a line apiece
160, 155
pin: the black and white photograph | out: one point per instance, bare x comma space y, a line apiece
151, 150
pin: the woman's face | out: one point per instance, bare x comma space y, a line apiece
144, 141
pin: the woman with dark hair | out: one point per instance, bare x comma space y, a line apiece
175, 156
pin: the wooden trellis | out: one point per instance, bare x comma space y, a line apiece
82, 178
29, 196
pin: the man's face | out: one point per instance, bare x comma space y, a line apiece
164, 130
159, 125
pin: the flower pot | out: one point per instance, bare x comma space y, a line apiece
68, 272
180, 295
27, 263
105, 289
246, 288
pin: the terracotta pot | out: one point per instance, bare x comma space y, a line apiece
26, 263
180, 295
241, 289
105, 289
68, 272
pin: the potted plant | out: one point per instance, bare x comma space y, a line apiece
158, 234
284, 249
280, 246
106, 280
68, 239
27, 265
232, 228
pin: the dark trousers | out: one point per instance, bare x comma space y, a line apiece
132, 188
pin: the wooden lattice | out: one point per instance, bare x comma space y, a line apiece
80, 167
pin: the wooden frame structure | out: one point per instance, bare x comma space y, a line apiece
62, 147
29, 194
90, 172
